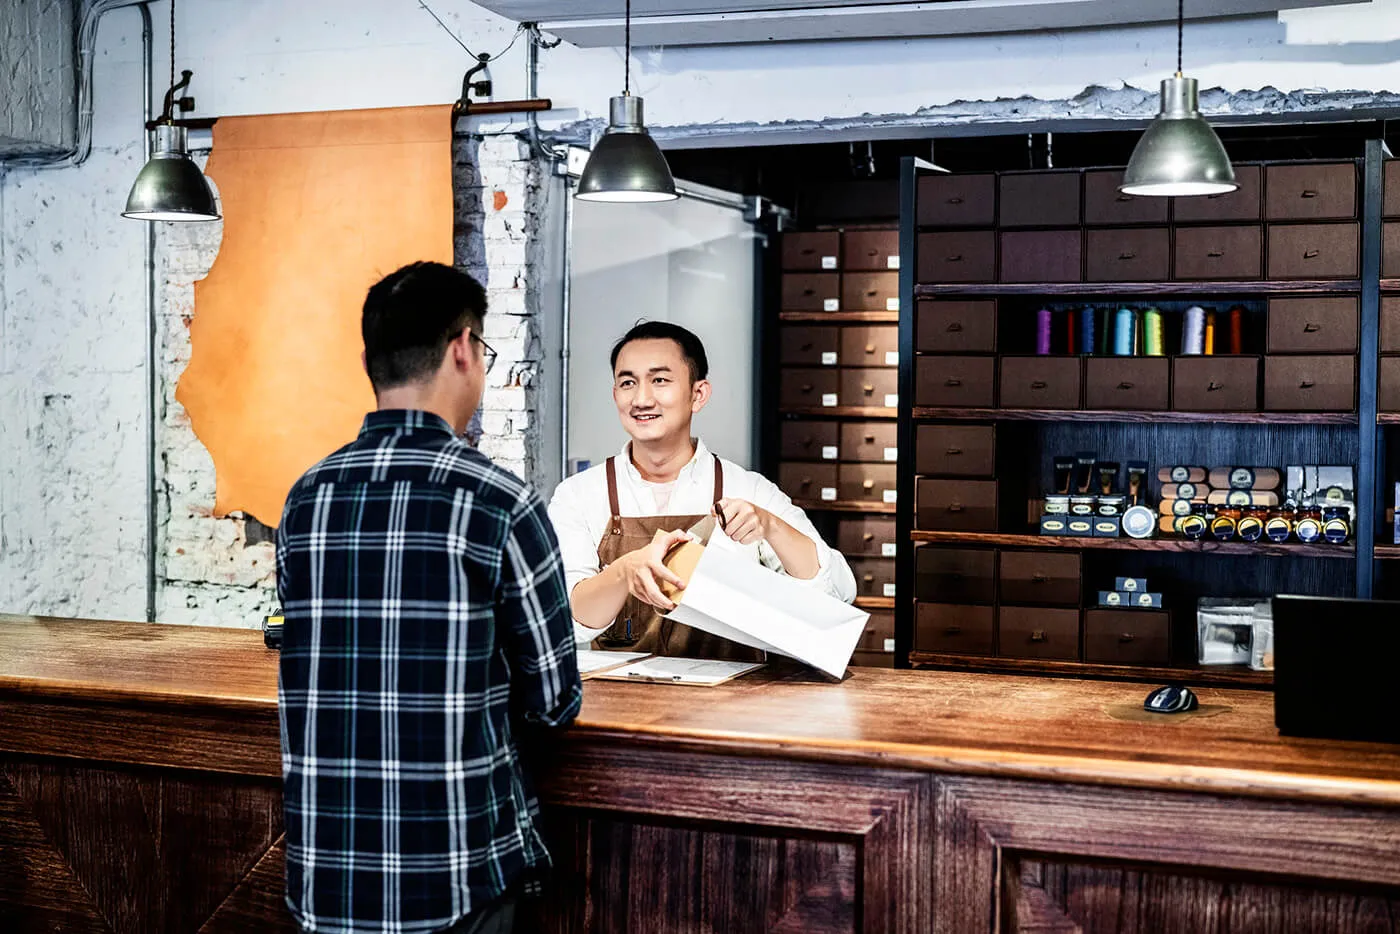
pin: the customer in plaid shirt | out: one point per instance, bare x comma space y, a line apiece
426, 616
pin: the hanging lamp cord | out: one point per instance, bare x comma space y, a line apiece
172, 43
1180, 28
626, 52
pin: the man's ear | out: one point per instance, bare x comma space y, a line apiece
459, 350
699, 395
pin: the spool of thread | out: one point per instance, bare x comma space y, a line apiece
1043, 319
1210, 334
1086, 330
1123, 333
1237, 330
1069, 332
1193, 330
1104, 325
1153, 344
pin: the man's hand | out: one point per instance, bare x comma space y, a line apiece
744, 522
641, 569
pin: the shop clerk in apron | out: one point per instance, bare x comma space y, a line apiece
616, 521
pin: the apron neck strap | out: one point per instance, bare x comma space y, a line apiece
719, 480
616, 509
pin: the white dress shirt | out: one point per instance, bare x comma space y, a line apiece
580, 513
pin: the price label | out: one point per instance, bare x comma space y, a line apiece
828, 262
828, 398
887, 550
892, 262
892, 358
891, 454
891, 400
829, 494
892, 304
828, 358
890, 496
829, 452
889, 645
831, 304
889, 590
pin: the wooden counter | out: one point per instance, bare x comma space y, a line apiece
140, 761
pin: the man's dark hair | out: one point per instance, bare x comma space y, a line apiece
691, 347
411, 315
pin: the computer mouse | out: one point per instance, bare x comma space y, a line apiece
1174, 698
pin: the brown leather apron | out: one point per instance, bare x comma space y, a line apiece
640, 627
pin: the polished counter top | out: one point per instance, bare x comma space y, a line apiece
956, 722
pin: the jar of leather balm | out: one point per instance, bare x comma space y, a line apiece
1224, 523
1194, 527
1307, 524
1251, 525
1336, 524
1279, 526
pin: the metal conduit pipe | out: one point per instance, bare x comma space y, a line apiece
152, 377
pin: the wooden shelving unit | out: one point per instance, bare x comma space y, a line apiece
841, 411
1217, 675
875, 603
839, 317
1177, 545
1140, 289
1154, 417
847, 505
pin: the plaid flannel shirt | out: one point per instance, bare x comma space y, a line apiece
425, 614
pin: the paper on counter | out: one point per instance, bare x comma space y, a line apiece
700, 671
593, 660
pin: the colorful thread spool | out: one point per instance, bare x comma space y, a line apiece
1193, 331
1237, 330
1043, 322
1123, 337
1209, 344
1153, 343
1086, 330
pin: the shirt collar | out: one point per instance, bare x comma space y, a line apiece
702, 456
406, 420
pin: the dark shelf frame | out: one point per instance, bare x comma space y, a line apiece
1177, 545
839, 317
1153, 417
841, 411
1212, 675
1131, 289
847, 505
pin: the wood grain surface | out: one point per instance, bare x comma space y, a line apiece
955, 722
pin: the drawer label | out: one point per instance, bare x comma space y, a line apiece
887, 550
890, 495
829, 494
828, 262
889, 645
892, 262
889, 590
892, 304
829, 452
831, 304
892, 358
891, 454
891, 400
828, 398
828, 358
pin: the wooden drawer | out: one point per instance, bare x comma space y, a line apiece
871, 250
870, 345
957, 326
953, 629
1127, 637
810, 346
874, 576
811, 291
867, 483
1389, 396
870, 442
955, 381
1215, 384
1039, 199
878, 388
1390, 250
1390, 324
1242, 204
961, 256
1039, 578
1038, 632
866, 536
809, 387
1040, 256
1314, 251
1127, 383
957, 200
956, 505
1317, 191
811, 441
1310, 384
1105, 204
870, 291
954, 575
808, 481
956, 450
1039, 383
1218, 253
811, 251
879, 634
1132, 255
1313, 325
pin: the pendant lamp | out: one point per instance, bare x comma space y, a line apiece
626, 165
170, 187
1179, 154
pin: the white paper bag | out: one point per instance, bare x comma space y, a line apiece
750, 604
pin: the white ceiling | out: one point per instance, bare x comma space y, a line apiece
593, 23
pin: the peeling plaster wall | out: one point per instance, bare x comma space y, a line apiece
71, 282
38, 87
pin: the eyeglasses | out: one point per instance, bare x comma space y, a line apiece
489, 352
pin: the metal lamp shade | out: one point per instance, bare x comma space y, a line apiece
626, 165
171, 187
1178, 154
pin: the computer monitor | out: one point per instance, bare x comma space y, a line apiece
1337, 668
